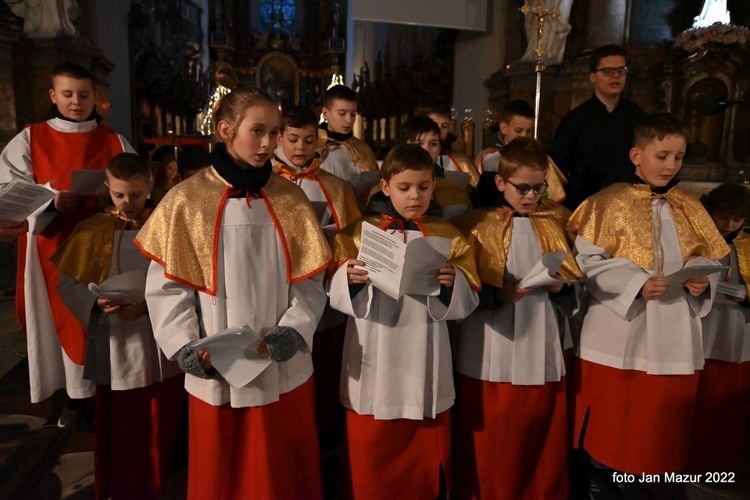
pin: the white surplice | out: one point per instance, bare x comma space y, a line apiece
623, 330
121, 354
518, 342
397, 358
252, 289
50, 368
340, 163
726, 330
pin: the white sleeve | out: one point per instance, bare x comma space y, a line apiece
338, 292
77, 297
702, 304
173, 309
613, 281
463, 301
15, 160
307, 299
126, 147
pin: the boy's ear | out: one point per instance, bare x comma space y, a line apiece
384, 188
499, 182
52, 96
325, 112
635, 155
503, 128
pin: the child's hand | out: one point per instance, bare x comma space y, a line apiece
129, 312
108, 306
355, 276
447, 275
654, 288
10, 230
511, 293
67, 202
696, 286
555, 288
204, 358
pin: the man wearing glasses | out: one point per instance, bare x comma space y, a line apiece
593, 141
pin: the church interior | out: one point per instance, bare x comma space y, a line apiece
155, 64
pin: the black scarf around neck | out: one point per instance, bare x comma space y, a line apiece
336, 136
634, 179
249, 180
54, 112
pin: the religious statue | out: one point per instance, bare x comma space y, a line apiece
556, 29
46, 18
714, 11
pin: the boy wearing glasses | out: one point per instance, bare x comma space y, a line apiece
511, 406
593, 141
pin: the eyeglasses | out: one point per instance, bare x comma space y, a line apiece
622, 70
523, 189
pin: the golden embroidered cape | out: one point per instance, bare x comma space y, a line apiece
183, 232
358, 150
465, 165
346, 243
338, 193
618, 219
742, 246
86, 256
489, 232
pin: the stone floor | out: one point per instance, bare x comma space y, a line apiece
40, 461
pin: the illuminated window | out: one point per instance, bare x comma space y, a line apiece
278, 15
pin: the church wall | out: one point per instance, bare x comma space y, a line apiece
479, 55
109, 32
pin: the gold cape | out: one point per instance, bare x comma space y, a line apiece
466, 166
346, 243
489, 233
86, 256
742, 245
618, 219
183, 233
338, 193
358, 149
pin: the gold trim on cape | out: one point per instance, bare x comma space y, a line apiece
183, 232
338, 192
360, 153
618, 219
346, 243
465, 165
86, 256
489, 233
742, 246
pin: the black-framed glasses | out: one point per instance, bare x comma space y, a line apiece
622, 70
523, 189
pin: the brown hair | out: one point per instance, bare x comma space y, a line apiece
600, 53
71, 70
416, 126
428, 107
522, 152
338, 92
656, 126
298, 117
406, 157
231, 107
729, 199
128, 166
517, 107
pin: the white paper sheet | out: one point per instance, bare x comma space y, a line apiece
460, 178
544, 271
234, 354
18, 200
398, 268
127, 287
732, 289
88, 182
678, 279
